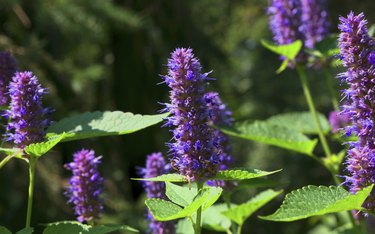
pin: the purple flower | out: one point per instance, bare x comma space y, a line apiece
27, 116
338, 121
292, 20
156, 166
285, 20
85, 186
314, 22
192, 146
219, 115
8, 67
356, 52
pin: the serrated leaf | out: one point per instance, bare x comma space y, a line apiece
241, 174
243, 211
212, 218
300, 121
273, 135
164, 210
180, 195
184, 226
65, 227
312, 200
96, 124
41, 148
28, 230
4, 230
165, 178
108, 228
290, 51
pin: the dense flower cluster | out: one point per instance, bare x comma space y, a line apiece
292, 20
8, 67
156, 166
28, 117
356, 52
338, 121
193, 138
85, 186
219, 115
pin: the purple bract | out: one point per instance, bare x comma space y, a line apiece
28, 118
356, 52
193, 138
85, 186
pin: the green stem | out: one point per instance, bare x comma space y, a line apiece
310, 102
199, 212
239, 229
5, 160
329, 79
32, 163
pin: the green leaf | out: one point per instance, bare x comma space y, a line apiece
65, 227
183, 195
243, 211
4, 230
163, 210
12, 151
28, 230
290, 51
108, 228
74, 227
165, 178
96, 124
184, 226
212, 218
312, 200
300, 121
241, 174
273, 135
41, 148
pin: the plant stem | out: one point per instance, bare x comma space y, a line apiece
5, 160
32, 163
199, 212
303, 76
239, 229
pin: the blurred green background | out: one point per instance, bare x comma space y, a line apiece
108, 55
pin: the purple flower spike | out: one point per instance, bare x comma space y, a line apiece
8, 67
219, 115
156, 166
285, 19
85, 186
193, 140
27, 115
356, 52
304, 20
314, 22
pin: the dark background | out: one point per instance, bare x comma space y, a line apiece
108, 55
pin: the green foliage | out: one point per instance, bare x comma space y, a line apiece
213, 219
312, 200
300, 121
243, 211
271, 134
65, 227
96, 124
163, 210
4, 230
242, 174
288, 51
39, 149
24, 231
165, 178
257, 183
184, 226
